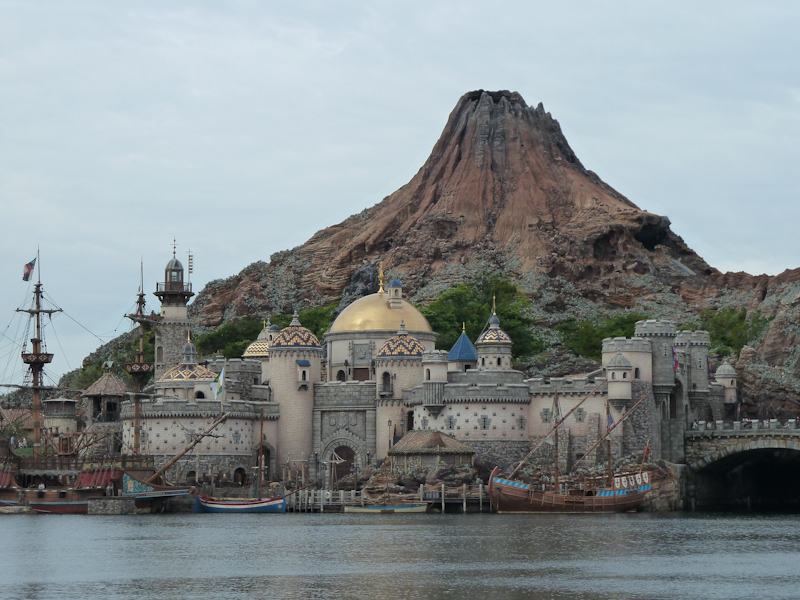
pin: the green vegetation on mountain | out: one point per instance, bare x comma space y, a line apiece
471, 304
232, 339
729, 329
585, 338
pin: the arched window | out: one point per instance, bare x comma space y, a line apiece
636, 373
199, 395
386, 382
341, 375
160, 354
624, 375
613, 375
304, 376
427, 374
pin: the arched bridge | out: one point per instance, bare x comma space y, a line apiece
751, 467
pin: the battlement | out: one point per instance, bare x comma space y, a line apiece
621, 344
577, 385
695, 338
652, 327
435, 356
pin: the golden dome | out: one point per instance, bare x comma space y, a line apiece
372, 313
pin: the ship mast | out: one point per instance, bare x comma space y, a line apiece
36, 359
139, 369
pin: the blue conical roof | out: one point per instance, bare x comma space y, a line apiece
463, 349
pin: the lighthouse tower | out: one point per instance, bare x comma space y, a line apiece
171, 327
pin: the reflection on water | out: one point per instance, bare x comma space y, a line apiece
588, 557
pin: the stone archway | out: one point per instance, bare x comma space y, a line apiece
268, 466
756, 473
355, 455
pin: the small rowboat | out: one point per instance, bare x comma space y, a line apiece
207, 504
383, 509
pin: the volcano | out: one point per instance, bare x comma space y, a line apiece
503, 192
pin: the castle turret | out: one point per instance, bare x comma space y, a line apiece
726, 376
619, 376
494, 347
295, 362
462, 355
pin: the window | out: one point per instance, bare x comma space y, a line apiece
580, 414
304, 375
499, 362
450, 422
545, 415
386, 382
199, 395
427, 374
341, 375
485, 422
624, 375
613, 375
636, 374
521, 422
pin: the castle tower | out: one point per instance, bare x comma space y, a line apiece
662, 339
619, 376
494, 346
726, 376
174, 294
295, 363
462, 355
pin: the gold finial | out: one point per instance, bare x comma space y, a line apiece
188, 336
265, 324
494, 307
463, 327
380, 277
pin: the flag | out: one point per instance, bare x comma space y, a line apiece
708, 362
610, 423
28, 270
218, 383
556, 410
674, 359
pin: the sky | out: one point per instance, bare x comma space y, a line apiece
240, 128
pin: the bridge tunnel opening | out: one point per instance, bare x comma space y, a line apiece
763, 480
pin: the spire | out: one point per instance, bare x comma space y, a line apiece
380, 278
295, 320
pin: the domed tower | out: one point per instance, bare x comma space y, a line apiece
618, 375
295, 359
364, 326
174, 294
494, 346
726, 376
398, 365
188, 379
259, 349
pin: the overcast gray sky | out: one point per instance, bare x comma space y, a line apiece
241, 128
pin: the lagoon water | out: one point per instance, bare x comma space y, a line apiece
461, 557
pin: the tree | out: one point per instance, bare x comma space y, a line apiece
470, 305
585, 338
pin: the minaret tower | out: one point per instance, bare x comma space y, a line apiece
174, 294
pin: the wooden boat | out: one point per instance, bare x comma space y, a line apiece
621, 493
383, 509
207, 504
627, 493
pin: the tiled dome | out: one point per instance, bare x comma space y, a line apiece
260, 347
295, 336
401, 345
188, 369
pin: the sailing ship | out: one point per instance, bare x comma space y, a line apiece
613, 493
72, 482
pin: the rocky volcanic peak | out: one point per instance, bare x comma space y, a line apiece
503, 191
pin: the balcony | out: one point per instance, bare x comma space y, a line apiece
174, 286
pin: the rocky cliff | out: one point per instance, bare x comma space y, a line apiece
503, 191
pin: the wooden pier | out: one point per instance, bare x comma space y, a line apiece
461, 499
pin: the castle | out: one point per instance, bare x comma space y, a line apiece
321, 409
